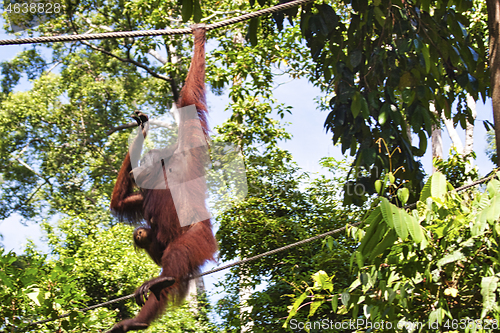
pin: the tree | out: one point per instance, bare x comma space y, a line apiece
83, 93
432, 266
494, 40
379, 62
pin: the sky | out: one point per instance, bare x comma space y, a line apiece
310, 142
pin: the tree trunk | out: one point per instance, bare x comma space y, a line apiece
452, 132
245, 309
436, 139
494, 36
469, 133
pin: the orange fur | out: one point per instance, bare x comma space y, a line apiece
180, 250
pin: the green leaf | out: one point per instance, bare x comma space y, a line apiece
355, 57
436, 316
414, 228
388, 240
197, 11
367, 247
435, 187
373, 221
345, 297
359, 259
329, 243
452, 257
394, 216
408, 95
335, 303
427, 58
379, 16
364, 108
322, 281
426, 191
493, 187
488, 291
253, 28
295, 306
356, 104
187, 10
314, 306
491, 212
356, 283
438, 185
34, 296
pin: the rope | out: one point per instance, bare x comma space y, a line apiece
283, 248
218, 269
143, 33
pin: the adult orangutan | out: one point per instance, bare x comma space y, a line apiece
171, 199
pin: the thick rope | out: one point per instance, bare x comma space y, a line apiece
283, 248
143, 33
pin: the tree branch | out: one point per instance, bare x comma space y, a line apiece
128, 60
119, 128
173, 59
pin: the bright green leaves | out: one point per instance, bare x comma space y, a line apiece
322, 282
489, 205
488, 292
293, 309
426, 265
449, 258
394, 217
435, 187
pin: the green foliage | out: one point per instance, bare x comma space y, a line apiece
384, 62
36, 289
28, 62
186, 319
442, 273
90, 264
63, 169
458, 168
491, 149
277, 212
376, 60
105, 261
